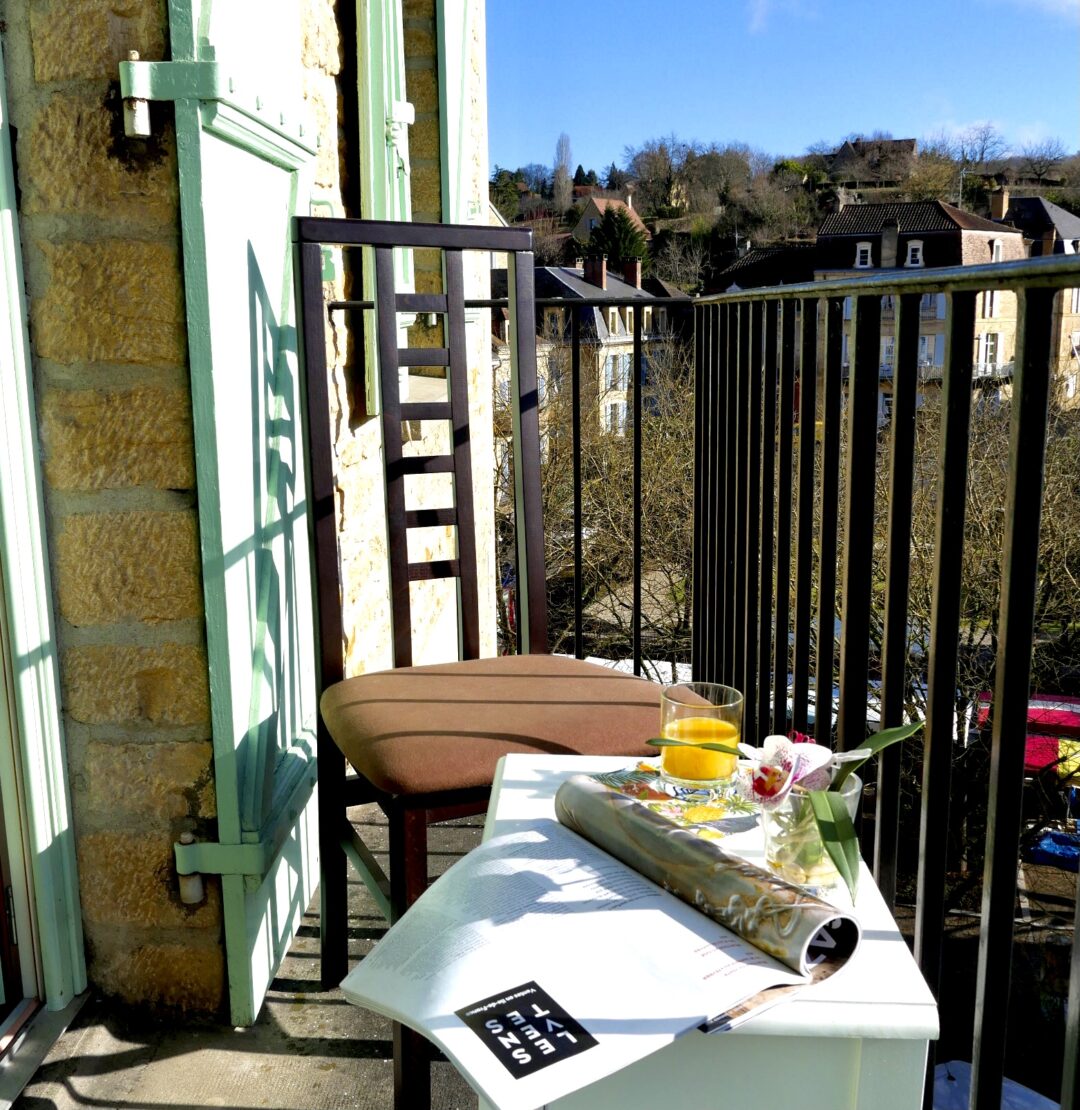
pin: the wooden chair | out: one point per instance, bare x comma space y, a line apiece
424, 740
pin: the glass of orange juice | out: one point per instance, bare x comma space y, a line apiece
696, 713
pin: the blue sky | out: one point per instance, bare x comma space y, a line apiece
777, 74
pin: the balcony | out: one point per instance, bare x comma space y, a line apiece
899, 566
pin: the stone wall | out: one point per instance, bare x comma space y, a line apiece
100, 231
101, 245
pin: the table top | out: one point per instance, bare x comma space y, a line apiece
880, 991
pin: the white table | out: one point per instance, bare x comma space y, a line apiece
857, 1041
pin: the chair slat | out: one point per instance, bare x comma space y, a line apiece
436, 568
423, 356
430, 518
420, 302
421, 464
425, 410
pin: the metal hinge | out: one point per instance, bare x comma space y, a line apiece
207, 81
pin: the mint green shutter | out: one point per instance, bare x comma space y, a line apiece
245, 165
385, 173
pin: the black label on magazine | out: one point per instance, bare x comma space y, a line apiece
526, 1028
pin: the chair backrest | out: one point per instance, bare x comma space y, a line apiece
311, 234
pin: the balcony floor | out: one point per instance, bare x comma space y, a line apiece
309, 1048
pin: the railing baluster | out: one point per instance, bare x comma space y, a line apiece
827, 529
804, 544
781, 656
944, 624
751, 411
1070, 1072
737, 651
703, 606
897, 575
636, 393
767, 516
855, 605
716, 540
575, 448
1016, 630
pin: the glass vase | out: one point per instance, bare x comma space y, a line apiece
793, 846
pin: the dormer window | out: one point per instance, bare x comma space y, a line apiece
914, 253
613, 320
862, 256
995, 250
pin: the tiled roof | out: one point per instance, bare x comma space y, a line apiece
774, 265
1036, 215
560, 281
911, 216
968, 221
604, 203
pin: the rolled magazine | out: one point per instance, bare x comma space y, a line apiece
793, 926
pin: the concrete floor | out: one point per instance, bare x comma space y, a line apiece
308, 1049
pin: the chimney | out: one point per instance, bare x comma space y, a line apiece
1049, 238
631, 272
890, 238
579, 264
999, 204
596, 271
629, 196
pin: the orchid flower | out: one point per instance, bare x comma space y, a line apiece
782, 763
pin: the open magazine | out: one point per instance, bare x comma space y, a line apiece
551, 957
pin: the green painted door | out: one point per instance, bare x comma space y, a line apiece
245, 163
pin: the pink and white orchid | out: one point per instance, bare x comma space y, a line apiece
782, 763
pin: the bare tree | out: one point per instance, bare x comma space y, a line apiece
656, 166
1041, 158
562, 187
681, 260
979, 144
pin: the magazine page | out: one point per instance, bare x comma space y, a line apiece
801, 930
540, 964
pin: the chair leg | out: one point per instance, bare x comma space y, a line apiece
408, 880
333, 878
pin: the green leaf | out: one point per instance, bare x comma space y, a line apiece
837, 834
875, 743
665, 742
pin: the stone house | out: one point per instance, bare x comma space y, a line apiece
607, 331
157, 666
1049, 229
593, 213
916, 235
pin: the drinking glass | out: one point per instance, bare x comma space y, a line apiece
698, 713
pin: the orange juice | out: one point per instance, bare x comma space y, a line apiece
699, 764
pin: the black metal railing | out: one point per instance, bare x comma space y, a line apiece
832, 513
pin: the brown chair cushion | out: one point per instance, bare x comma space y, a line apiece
416, 730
